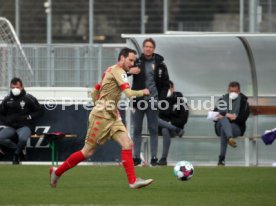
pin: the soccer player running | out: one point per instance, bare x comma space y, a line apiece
105, 122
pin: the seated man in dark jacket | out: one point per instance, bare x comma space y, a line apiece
172, 120
17, 112
231, 118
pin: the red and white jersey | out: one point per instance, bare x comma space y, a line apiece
113, 82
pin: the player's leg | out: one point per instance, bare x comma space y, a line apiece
94, 132
126, 154
70, 162
75, 158
126, 143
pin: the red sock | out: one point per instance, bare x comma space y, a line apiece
70, 162
128, 165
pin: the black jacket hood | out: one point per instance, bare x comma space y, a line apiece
158, 58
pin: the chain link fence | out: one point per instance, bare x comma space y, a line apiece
111, 18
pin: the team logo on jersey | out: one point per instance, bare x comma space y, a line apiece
22, 104
124, 77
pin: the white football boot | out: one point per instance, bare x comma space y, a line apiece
139, 183
53, 177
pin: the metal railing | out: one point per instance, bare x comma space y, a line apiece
65, 65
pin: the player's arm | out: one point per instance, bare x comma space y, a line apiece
134, 70
121, 79
95, 93
133, 93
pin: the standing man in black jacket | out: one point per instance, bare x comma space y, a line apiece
17, 112
233, 111
151, 72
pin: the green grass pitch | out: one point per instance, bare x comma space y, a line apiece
107, 185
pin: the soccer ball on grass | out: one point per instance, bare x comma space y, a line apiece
183, 170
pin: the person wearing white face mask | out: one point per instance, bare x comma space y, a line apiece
233, 111
17, 112
172, 120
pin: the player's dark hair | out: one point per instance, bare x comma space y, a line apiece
15, 80
125, 52
149, 40
234, 84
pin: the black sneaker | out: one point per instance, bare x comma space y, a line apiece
221, 161
181, 133
15, 159
154, 161
136, 161
162, 161
22, 156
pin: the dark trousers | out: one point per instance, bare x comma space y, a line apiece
137, 119
168, 131
8, 133
226, 130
